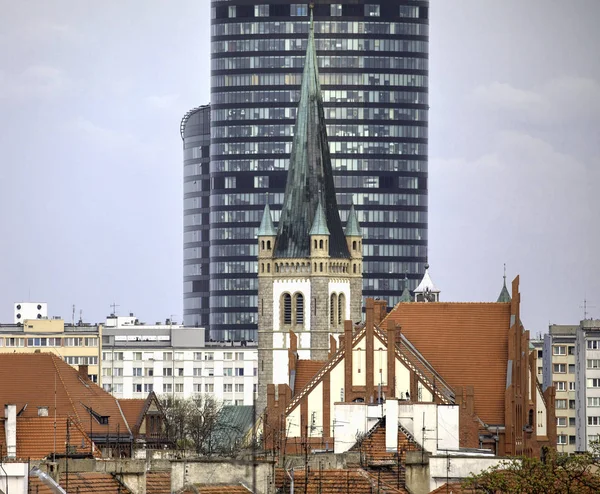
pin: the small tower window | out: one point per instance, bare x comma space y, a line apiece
262, 267
321, 267
315, 243
332, 309
354, 268
262, 244
320, 244
268, 245
287, 308
341, 309
354, 245
268, 268
299, 309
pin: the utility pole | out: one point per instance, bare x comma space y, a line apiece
306, 459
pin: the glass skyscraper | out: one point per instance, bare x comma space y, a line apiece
373, 61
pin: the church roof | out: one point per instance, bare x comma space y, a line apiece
504, 295
426, 283
319, 226
352, 225
310, 176
266, 228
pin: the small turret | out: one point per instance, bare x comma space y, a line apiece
266, 242
353, 234
319, 239
504, 296
427, 291
405, 297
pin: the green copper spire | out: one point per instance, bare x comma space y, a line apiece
266, 228
310, 177
352, 225
405, 297
504, 296
319, 226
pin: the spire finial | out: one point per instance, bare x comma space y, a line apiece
505, 273
312, 26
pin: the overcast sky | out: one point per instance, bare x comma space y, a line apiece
91, 96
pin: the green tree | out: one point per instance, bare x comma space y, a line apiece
555, 473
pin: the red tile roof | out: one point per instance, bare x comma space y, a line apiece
82, 483
36, 437
132, 409
158, 482
466, 343
221, 489
31, 379
453, 488
305, 371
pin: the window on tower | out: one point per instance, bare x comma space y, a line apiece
299, 309
341, 309
287, 308
333, 301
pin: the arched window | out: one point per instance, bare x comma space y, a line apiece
268, 245
341, 309
354, 245
262, 267
262, 244
286, 308
332, 309
320, 244
321, 267
354, 268
299, 308
315, 243
268, 268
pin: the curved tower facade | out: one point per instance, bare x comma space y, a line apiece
195, 132
373, 67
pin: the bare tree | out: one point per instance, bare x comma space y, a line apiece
204, 411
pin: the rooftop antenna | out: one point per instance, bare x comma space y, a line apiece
505, 274
81, 316
585, 307
73, 316
114, 307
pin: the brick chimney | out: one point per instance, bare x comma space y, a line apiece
83, 372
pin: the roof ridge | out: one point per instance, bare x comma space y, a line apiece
54, 358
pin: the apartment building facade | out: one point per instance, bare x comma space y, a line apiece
171, 359
79, 344
588, 383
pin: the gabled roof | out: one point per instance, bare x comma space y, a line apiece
82, 483
29, 381
36, 438
310, 176
266, 228
133, 409
352, 225
467, 343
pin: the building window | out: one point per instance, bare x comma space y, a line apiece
239, 355
228, 356
167, 372
571, 368
332, 308
593, 363
593, 438
560, 368
209, 356
118, 372
230, 182
572, 422
372, 10
593, 344
239, 371
168, 356
231, 12
91, 341
572, 404
15, 342
336, 10
197, 355
179, 388
261, 182
571, 350
209, 388
137, 372
137, 355
149, 372
299, 9
167, 388
540, 371
180, 371
73, 341
178, 355
594, 420
228, 371
239, 388
148, 388
197, 371
572, 440
227, 388
261, 11
540, 354
299, 308
593, 401
593, 383
561, 421
561, 404
561, 439
118, 355
572, 386
287, 308
137, 388
560, 385
559, 350
341, 309
210, 372
117, 388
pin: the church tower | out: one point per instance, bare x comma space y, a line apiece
309, 270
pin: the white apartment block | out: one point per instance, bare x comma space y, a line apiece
559, 370
588, 383
538, 345
171, 359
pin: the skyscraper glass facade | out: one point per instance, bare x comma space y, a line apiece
195, 132
373, 60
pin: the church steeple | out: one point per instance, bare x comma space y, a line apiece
310, 176
427, 291
504, 296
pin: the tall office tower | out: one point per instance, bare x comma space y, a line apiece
195, 132
373, 65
